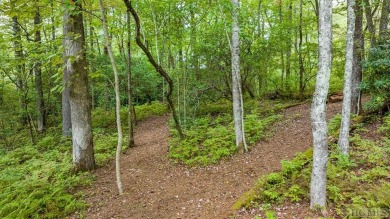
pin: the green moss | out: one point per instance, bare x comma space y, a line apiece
248, 197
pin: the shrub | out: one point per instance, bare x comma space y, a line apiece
377, 79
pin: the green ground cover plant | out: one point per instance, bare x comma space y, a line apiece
355, 182
210, 136
37, 180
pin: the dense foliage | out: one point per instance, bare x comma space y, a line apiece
191, 41
377, 78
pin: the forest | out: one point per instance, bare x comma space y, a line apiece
258, 109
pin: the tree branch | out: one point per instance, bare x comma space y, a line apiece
156, 66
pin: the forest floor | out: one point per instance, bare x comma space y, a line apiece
157, 188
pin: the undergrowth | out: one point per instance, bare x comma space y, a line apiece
359, 181
37, 181
210, 136
102, 118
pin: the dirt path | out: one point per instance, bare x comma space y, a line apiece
156, 188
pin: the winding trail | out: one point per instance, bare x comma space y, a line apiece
156, 188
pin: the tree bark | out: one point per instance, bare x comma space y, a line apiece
343, 142
41, 118
65, 102
66, 118
19, 57
318, 110
75, 65
289, 45
282, 48
370, 22
300, 56
129, 83
156, 66
117, 99
358, 56
384, 21
238, 108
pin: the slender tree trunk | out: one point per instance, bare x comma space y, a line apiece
370, 22
19, 57
347, 95
289, 45
92, 56
282, 49
41, 120
300, 56
66, 114
238, 112
129, 83
117, 98
358, 56
318, 111
384, 21
76, 68
157, 67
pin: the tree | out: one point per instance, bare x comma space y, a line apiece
384, 20
156, 66
358, 56
238, 108
129, 83
75, 67
21, 67
300, 56
347, 94
318, 110
41, 118
370, 22
117, 98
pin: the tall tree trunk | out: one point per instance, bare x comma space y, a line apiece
129, 83
238, 108
358, 56
41, 120
318, 110
384, 21
289, 45
76, 68
92, 56
156, 66
117, 98
370, 22
300, 56
346, 112
65, 102
19, 56
281, 49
